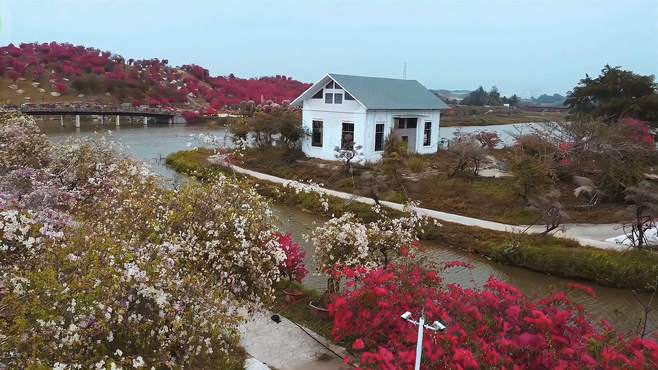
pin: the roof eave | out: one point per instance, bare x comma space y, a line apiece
298, 100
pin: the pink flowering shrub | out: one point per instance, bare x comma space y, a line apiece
493, 328
293, 266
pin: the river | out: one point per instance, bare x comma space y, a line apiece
153, 143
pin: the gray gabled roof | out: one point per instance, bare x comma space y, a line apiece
389, 93
384, 93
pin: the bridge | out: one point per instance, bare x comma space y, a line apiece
156, 114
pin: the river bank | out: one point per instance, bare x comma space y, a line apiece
630, 269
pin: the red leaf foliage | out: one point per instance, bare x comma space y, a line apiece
151, 80
293, 267
492, 328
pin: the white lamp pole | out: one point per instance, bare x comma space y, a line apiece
436, 326
419, 342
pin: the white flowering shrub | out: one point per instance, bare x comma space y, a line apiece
341, 241
21, 236
309, 187
103, 267
224, 229
348, 242
21, 143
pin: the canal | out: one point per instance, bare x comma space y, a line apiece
152, 144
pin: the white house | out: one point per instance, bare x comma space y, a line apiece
342, 110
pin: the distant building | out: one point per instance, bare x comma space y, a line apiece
343, 110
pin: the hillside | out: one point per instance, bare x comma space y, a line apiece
57, 72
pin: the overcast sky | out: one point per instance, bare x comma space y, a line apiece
527, 47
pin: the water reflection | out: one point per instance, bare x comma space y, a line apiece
150, 144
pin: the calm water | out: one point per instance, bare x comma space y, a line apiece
505, 132
153, 143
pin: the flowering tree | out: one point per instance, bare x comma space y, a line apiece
349, 155
496, 327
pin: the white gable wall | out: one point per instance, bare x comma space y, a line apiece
332, 117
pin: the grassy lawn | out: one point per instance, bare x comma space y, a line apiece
299, 311
560, 257
470, 196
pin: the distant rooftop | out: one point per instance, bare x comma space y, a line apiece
384, 93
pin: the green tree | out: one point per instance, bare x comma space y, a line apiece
476, 97
493, 97
615, 94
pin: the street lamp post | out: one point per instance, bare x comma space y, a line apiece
436, 326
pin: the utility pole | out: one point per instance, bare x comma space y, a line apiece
404, 71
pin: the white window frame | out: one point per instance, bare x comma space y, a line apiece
321, 133
383, 136
429, 134
353, 133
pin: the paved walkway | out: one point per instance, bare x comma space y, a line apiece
591, 235
284, 346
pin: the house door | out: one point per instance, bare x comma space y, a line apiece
405, 141
405, 128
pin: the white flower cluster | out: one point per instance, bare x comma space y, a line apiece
309, 187
347, 242
17, 231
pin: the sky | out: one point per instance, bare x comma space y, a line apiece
527, 47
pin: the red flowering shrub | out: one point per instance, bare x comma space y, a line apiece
61, 87
191, 116
137, 79
293, 267
493, 328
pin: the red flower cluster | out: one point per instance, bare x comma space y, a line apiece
293, 267
497, 327
83, 69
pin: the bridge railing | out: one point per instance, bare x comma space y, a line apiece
72, 108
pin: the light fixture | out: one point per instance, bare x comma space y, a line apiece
436, 326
